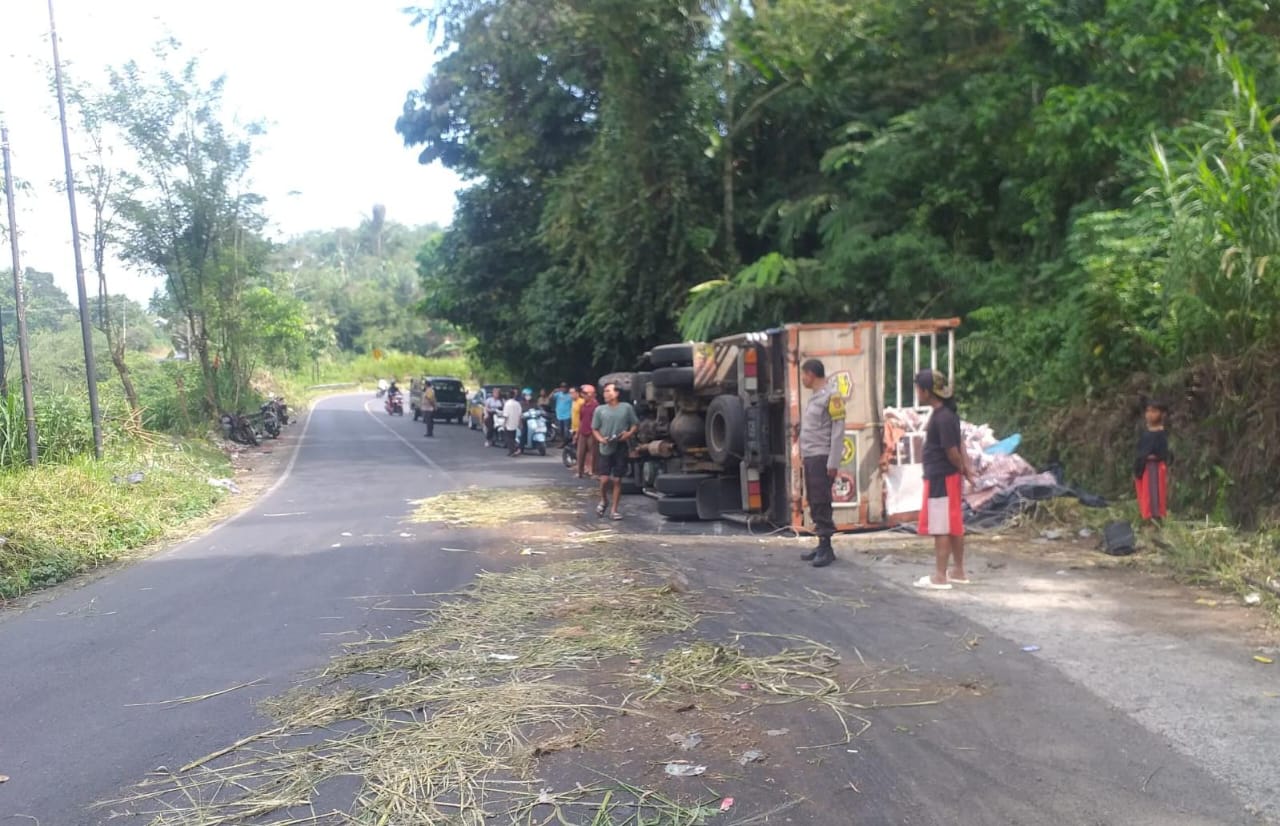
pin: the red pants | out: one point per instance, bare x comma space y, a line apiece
1153, 491
942, 513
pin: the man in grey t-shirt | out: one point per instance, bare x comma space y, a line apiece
613, 423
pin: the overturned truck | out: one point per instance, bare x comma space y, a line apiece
720, 421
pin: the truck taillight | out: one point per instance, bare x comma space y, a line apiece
750, 369
755, 500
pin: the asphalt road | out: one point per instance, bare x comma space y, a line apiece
272, 594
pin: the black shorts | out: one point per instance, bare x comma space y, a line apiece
615, 464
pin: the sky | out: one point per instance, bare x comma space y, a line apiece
329, 78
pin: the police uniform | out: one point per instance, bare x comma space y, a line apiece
821, 445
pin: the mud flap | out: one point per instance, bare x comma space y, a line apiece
718, 495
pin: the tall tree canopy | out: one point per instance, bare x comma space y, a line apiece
1090, 184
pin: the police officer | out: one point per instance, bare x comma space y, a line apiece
821, 444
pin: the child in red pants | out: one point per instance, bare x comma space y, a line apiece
1151, 465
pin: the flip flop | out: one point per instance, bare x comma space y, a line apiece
617, 517
956, 581
600, 511
926, 582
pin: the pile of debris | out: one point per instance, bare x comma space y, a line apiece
1005, 482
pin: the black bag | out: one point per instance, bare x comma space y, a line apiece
1118, 539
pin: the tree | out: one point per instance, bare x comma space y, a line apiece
101, 182
185, 211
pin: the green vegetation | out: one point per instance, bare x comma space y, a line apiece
65, 518
1091, 186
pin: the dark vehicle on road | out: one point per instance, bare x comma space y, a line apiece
451, 398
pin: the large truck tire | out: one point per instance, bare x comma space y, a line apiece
680, 484
671, 355
675, 378
678, 508
726, 429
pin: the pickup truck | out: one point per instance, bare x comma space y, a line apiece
720, 421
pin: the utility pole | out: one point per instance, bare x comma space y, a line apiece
19, 304
86, 329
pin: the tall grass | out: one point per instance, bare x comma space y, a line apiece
366, 369
63, 428
58, 520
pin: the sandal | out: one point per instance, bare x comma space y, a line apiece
959, 581
926, 582
616, 517
600, 510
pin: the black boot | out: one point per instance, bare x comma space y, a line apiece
825, 554
809, 555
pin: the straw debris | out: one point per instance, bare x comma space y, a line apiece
463, 705
491, 507
446, 724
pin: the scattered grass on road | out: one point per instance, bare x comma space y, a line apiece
492, 507
451, 722
57, 520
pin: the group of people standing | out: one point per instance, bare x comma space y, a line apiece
600, 431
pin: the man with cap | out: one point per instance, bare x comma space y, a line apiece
586, 440
945, 462
821, 444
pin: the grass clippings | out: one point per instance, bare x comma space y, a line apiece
492, 507
447, 723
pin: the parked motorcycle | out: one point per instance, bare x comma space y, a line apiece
394, 404
270, 418
382, 388
282, 409
534, 435
238, 428
499, 431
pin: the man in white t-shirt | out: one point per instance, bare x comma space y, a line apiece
513, 410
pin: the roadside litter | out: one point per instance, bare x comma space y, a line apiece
1030, 649
225, 484
687, 742
682, 769
752, 756
134, 478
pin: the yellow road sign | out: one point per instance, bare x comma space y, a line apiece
849, 451
377, 354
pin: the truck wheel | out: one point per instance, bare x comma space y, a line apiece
676, 378
680, 484
726, 429
678, 508
672, 355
